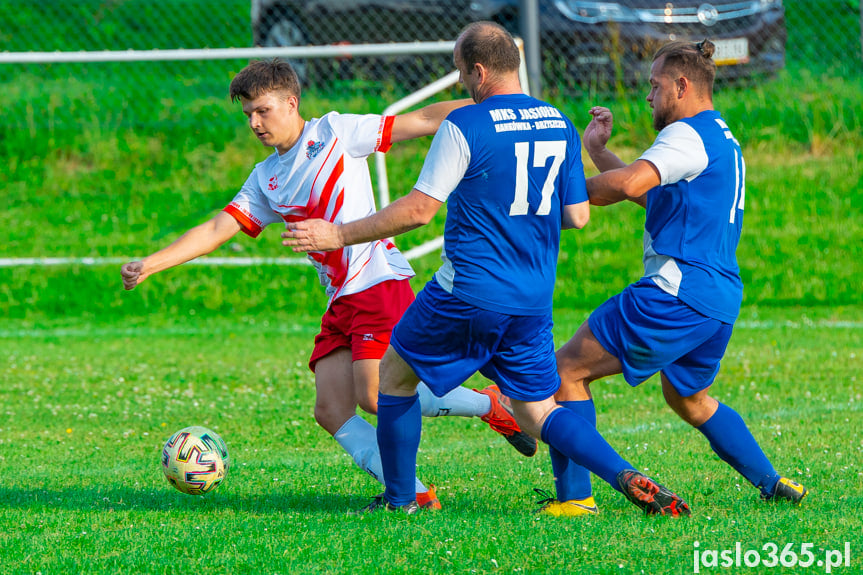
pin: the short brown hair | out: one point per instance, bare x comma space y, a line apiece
689, 59
265, 76
489, 44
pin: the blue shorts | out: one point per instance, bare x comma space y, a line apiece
649, 330
445, 341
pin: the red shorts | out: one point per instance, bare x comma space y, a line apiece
363, 321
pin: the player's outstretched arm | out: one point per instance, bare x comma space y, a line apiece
405, 214
198, 241
425, 121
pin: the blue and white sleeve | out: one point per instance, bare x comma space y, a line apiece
446, 163
678, 153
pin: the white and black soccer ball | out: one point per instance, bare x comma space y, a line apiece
195, 460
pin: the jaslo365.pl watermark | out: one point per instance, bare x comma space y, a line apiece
770, 555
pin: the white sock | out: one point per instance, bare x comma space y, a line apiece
461, 401
359, 439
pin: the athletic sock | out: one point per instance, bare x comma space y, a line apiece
399, 429
733, 443
578, 440
359, 439
571, 480
460, 401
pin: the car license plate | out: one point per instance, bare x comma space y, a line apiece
732, 51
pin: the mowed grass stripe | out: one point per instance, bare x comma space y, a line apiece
310, 326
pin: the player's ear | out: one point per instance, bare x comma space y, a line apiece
293, 103
480, 72
683, 85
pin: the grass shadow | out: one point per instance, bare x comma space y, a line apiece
129, 499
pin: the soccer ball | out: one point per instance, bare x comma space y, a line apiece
195, 460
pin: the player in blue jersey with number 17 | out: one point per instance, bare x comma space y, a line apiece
677, 319
510, 169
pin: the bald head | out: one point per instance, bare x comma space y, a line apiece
489, 44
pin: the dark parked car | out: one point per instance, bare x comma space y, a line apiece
583, 43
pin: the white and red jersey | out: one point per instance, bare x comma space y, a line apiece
326, 175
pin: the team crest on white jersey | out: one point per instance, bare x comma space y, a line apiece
312, 148
274, 183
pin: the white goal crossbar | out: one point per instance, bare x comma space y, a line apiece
340, 51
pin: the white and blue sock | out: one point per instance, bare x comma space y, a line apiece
460, 401
359, 439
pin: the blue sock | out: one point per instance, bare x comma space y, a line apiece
732, 441
571, 480
578, 440
399, 429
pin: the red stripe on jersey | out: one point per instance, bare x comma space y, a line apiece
340, 199
246, 220
320, 210
332, 264
362, 267
385, 137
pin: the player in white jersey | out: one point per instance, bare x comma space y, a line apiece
678, 318
310, 180
319, 170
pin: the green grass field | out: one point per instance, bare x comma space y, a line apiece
93, 379
87, 408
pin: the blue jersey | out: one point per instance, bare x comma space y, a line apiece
506, 167
694, 217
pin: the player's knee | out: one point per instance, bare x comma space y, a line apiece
322, 418
531, 416
573, 389
567, 366
575, 377
693, 410
331, 417
675, 402
368, 403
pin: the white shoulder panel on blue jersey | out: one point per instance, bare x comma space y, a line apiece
446, 163
678, 153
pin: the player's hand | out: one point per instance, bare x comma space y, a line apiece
313, 236
131, 273
598, 131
